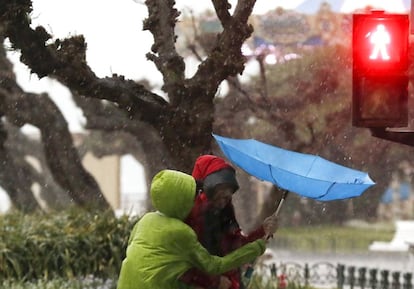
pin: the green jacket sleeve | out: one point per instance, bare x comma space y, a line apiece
214, 265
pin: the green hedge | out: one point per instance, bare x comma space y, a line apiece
68, 244
58, 283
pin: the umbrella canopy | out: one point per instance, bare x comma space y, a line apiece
306, 175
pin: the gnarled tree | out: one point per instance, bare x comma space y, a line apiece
183, 124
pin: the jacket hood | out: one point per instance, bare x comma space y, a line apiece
172, 193
210, 171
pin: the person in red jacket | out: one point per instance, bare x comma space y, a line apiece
213, 219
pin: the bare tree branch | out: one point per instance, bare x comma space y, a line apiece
243, 10
65, 60
222, 7
161, 22
63, 161
23, 148
62, 157
226, 58
13, 178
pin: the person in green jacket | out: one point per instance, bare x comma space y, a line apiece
162, 247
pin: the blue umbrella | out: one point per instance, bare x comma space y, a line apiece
307, 175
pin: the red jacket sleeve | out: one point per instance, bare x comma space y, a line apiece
253, 236
198, 278
236, 239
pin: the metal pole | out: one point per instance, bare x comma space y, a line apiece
249, 272
284, 196
412, 17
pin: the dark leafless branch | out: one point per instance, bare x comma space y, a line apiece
39, 110
161, 22
222, 10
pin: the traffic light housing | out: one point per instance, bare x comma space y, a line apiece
380, 69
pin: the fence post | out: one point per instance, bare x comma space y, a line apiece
307, 275
361, 277
351, 276
340, 273
384, 279
407, 281
273, 270
373, 281
395, 284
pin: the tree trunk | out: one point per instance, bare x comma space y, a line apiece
15, 180
28, 152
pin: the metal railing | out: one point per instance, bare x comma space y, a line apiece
328, 275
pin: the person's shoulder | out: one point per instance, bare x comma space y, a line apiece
149, 215
167, 224
151, 218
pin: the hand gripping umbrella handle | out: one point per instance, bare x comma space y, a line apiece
249, 272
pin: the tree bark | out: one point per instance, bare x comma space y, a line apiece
61, 155
15, 179
28, 152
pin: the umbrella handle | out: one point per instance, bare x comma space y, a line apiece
248, 273
284, 196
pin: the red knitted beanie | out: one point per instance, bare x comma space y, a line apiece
212, 171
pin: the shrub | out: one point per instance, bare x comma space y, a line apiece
68, 244
58, 283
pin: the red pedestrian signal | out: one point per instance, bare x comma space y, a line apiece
379, 70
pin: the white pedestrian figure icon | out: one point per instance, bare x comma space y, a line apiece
380, 39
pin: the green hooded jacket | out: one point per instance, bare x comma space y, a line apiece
162, 247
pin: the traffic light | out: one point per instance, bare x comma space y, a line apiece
379, 69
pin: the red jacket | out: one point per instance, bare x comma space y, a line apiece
217, 230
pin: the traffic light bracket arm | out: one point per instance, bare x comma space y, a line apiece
405, 137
